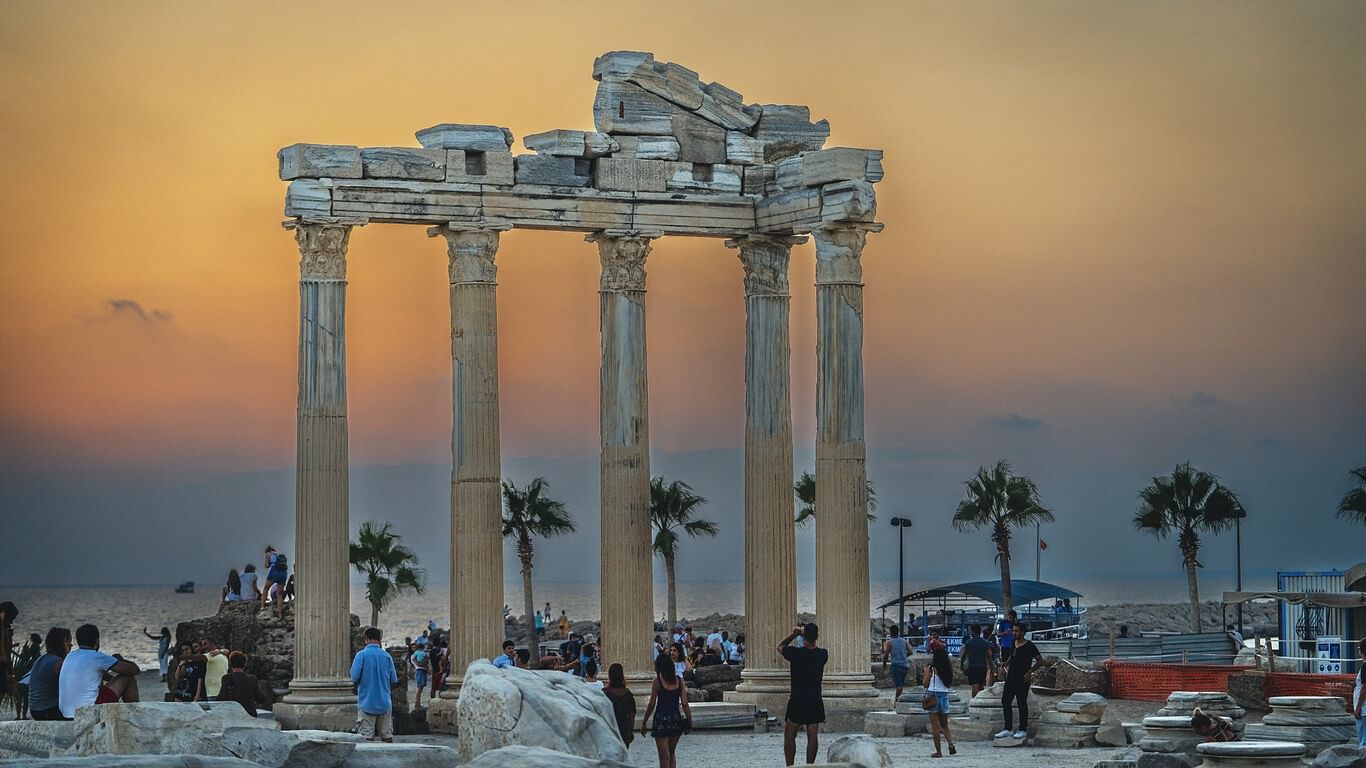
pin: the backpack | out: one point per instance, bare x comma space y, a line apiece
281, 562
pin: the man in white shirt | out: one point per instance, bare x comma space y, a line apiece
81, 681
714, 642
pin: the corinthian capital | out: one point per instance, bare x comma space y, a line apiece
839, 249
623, 259
322, 250
471, 253
765, 259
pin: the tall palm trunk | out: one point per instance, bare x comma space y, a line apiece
673, 594
374, 615
1003, 554
1193, 588
533, 643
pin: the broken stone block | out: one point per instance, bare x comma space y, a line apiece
562, 143
319, 161
553, 171
621, 107
732, 115
306, 197
619, 64
628, 175
835, 164
476, 167
758, 179
699, 141
704, 177
483, 138
743, 149
786, 129
403, 163
647, 147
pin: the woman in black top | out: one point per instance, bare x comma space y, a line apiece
623, 703
673, 718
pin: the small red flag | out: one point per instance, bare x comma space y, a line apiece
1043, 544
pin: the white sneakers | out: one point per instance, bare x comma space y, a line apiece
1002, 734
1011, 735
1019, 735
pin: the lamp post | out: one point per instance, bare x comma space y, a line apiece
1238, 566
901, 524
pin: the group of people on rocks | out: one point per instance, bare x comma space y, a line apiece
689, 651
69, 671
276, 587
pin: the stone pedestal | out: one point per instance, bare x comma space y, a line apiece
841, 477
1184, 703
1073, 724
984, 718
847, 714
627, 576
770, 544
1251, 754
886, 723
1169, 734
476, 468
1317, 722
321, 688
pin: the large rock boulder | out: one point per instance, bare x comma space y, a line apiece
159, 728
377, 754
130, 761
505, 707
1341, 756
861, 751
290, 749
539, 757
34, 738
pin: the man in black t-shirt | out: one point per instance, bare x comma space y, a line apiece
1025, 659
976, 658
805, 709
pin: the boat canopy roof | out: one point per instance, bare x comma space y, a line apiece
1022, 592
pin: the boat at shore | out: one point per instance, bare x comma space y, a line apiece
185, 588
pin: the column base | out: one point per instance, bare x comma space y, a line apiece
324, 705
848, 685
765, 681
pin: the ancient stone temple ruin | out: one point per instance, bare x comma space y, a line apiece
670, 155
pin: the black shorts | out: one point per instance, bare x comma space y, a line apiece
977, 675
805, 711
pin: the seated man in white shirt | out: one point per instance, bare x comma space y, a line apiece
82, 677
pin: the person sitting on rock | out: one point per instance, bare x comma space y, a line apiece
240, 686
82, 680
1213, 727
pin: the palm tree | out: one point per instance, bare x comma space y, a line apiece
999, 499
672, 507
389, 568
529, 512
805, 488
1188, 501
1353, 504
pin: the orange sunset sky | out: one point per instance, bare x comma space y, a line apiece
1118, 236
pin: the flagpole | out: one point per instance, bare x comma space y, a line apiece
1037, 550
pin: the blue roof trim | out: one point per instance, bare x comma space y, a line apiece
1022, 591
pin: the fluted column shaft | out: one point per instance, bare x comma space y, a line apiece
626, 561
770, 551
322, 627
841, 477
476, 472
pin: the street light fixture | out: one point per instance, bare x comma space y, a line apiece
901, 524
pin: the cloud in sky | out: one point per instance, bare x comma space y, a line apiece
1014, 422
132, 308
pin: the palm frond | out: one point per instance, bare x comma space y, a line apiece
1353, 504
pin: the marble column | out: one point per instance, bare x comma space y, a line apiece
476, 473
320, 693
770, 550
627, 575
842, 608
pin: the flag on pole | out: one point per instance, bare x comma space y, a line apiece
1043, 544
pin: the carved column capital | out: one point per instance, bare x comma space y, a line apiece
765, 259
471, 253
623, 259
839, 249
322, 250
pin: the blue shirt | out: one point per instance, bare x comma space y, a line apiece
1008, 639
373, 672
42, 685
503, 662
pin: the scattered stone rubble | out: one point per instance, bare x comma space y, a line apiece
670, 153
1318, 722
1073, 724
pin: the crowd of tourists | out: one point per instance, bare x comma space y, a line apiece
67, 670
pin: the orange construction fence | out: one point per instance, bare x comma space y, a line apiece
1152, 681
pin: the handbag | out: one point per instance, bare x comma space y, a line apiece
930, 702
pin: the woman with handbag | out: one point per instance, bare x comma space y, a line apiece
673, 718
938, 678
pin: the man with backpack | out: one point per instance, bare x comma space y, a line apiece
277, 575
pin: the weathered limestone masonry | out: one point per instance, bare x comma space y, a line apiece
670, 155
770, 551
320, 693
476, 465
626, 577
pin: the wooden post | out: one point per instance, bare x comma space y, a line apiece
1185, 657
1256, 650
1112, 643
1270, 657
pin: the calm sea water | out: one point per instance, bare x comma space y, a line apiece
122, 611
